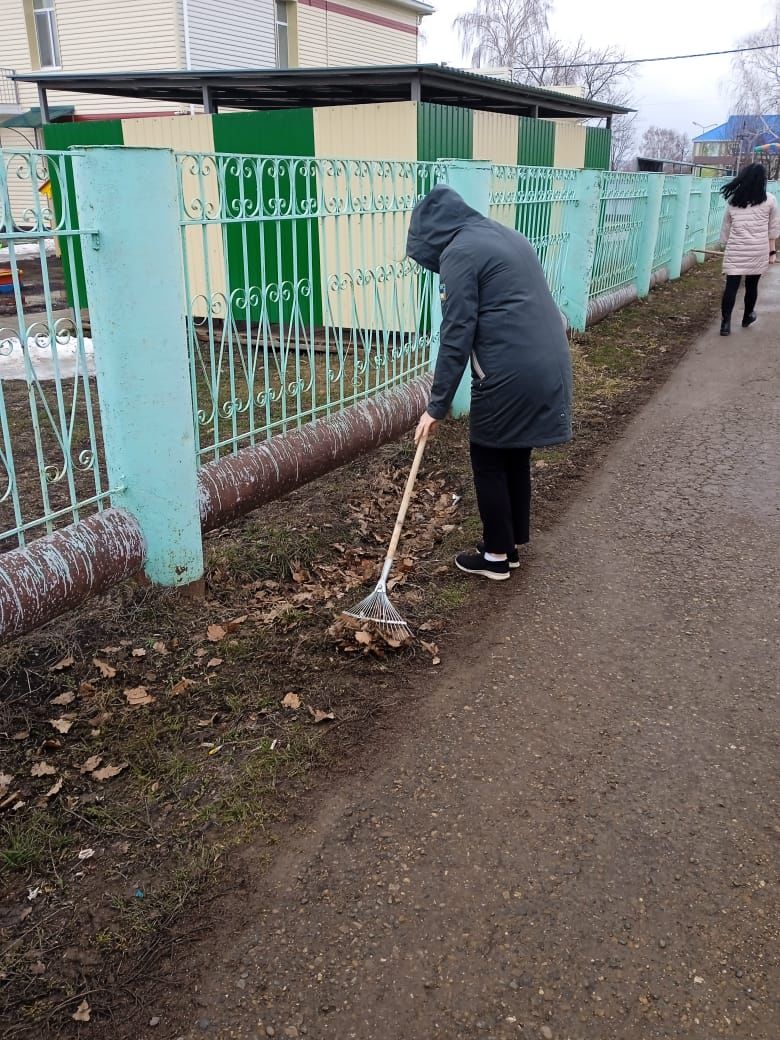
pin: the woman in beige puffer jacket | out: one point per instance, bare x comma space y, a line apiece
750, 227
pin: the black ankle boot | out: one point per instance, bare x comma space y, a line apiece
748, 319
725, 327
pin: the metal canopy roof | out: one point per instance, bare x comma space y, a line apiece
304, 88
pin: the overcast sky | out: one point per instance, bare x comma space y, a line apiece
672, 94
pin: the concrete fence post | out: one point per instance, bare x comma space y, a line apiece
583, 224
680, 224
135, 283
649, 234
472, 181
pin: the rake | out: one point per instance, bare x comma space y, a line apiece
377, 607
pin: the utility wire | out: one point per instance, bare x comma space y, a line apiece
644, 61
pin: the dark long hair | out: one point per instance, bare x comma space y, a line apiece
748, 188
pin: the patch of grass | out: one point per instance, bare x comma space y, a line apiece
32, 843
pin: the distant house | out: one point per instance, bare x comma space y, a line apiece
94, 36
732, 144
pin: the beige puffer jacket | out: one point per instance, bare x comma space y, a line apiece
746, 233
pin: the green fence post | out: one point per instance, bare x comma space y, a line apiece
680, 224
472, 180
583, 224
135, 282
649, 234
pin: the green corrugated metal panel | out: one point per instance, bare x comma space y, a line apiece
59, 137
285, 251
536, 146
598, 148
444, 132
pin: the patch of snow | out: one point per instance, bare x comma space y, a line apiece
41, 357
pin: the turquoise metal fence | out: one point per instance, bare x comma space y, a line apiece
294, 290
621, 213
698, 215
541, 203
663, 244
717, 209
51, 470
301, 300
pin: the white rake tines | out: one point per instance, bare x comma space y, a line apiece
378, 609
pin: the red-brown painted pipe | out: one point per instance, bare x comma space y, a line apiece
60, 571
239, 483
57, 573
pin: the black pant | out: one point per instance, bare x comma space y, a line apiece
730, 293
502, 479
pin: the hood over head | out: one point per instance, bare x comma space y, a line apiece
436, 220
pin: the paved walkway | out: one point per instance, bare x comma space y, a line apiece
580, 839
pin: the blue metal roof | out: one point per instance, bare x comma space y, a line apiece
760, 130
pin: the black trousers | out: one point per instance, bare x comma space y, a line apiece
730, 293
502, 480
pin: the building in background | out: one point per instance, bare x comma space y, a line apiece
732, 144
135, 35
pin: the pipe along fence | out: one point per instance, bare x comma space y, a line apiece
255, 323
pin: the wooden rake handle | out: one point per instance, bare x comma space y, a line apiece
399, 523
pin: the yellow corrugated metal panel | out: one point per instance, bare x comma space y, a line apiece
495, 137
386, 131
189, 134
373, 243
569, 145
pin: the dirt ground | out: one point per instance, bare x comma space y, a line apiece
578, 838
153, 898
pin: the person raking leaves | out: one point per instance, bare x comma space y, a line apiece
499, 314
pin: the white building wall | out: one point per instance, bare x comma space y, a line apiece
231, 34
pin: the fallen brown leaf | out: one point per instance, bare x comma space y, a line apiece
108, 772
23, 734
214, 662
139, 652
82, 1013
62, 725
6, 779
364, 637
64, 698
38, 968
55, 788
91, 764
160, 648
236, 622
105, 669
86, 689
291, 700
60, 666
321, 716
138, 697
181, 686
43, 769
215, 633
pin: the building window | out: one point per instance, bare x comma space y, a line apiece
282, 35
46, 34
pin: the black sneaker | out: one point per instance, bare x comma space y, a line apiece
513, 557
725, 327
748, 319
475, 563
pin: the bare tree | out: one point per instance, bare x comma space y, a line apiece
756, 75
516, 34
662, 143
496, 32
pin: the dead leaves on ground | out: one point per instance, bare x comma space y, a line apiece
293, 702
